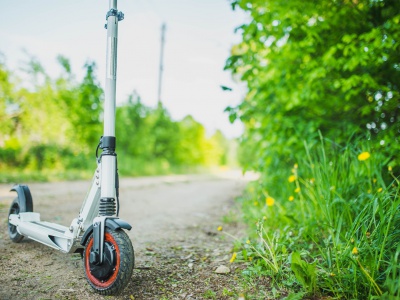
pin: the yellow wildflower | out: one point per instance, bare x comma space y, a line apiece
364, 156
264, 218
248, 242
233, 257
332, 274
390, 169
291, 198
219, 228
292, 178
270, 201
297, 190
380, 190
354, 251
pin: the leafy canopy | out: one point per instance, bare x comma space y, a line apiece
332, 66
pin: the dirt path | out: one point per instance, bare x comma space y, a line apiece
174, 234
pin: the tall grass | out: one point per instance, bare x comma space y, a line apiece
334, 210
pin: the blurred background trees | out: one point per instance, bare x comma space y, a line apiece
53, 125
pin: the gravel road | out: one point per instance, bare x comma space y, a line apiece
177, 246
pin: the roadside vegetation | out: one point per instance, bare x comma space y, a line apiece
325, 226
50, 128
322, 130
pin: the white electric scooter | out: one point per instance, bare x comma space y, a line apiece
97, 233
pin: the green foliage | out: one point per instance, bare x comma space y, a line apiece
87, 106
305, 272
295, 296
193, 142
164, 130
224, 147
133, 128
331, 66
54, 125
6, 104
322, 68
335, 211
210, 294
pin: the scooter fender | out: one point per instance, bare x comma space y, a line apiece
113, 224
24, 197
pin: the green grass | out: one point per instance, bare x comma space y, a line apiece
210, 294
332, 228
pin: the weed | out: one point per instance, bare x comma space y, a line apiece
331, 228
227, 292
210, 294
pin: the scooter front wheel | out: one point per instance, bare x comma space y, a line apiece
111, 276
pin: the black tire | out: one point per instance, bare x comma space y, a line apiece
113, 275
12, 230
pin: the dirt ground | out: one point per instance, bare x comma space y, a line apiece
177, 245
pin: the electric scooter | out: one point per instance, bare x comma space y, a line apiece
97, 233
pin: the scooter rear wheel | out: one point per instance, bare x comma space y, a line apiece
114, 273
12, 230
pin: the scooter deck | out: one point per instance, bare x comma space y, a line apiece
54, 235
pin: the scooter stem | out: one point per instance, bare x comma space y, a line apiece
108, 172
111, 71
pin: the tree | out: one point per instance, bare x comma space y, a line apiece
166, 134
133, 128
56, 123
222, 147
192, 144
83, 103
9, 147
329, 66
6, 103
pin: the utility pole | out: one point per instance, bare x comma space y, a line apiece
163, 27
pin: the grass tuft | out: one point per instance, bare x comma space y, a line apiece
333, 228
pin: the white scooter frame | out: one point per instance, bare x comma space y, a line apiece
99, 212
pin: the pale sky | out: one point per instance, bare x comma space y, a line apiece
198, 37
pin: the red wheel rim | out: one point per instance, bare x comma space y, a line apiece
102, 283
